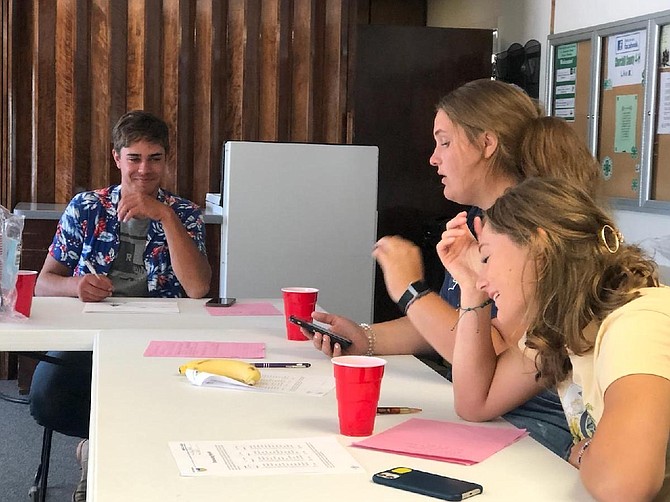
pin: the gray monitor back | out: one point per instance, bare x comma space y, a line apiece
300, 215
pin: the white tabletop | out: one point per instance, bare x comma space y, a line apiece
51, 211
140, 404
60, 323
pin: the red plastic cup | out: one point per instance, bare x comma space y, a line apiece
25, 289
358, 380
299, 302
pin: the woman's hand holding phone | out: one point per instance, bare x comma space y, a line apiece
344, 327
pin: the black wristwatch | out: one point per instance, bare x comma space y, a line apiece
414, 291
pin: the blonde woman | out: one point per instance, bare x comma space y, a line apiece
488, 136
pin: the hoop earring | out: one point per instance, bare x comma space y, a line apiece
618, 238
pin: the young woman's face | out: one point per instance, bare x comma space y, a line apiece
460, 163
508, 275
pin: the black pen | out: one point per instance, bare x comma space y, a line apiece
282, 365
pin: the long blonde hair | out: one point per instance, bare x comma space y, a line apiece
501, 108
584, 270
529, 143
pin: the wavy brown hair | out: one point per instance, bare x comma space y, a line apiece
551, 148
579, 280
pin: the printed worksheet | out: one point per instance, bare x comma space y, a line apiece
320, 455
127, 307
285, 381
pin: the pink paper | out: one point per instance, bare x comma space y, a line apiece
242, 350
245, 309
445, 441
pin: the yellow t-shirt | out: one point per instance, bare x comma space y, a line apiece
634, 339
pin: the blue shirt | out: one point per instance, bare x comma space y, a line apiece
89, 231
451, 291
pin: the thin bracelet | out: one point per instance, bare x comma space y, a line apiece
465, 310
372, 338
580, 454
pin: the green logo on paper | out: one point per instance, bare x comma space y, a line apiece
633, 152
607, 168
635, 185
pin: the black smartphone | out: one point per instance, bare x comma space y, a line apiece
311, 327
221, 302
426, 483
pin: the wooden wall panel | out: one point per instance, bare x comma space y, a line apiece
335, 71
273, 70
43, 151
65, 46
303, 71
271, 40
5, 78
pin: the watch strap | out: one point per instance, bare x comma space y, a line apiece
414, 291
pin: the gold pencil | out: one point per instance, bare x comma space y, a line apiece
396, 410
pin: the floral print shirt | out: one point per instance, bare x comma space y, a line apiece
89, 231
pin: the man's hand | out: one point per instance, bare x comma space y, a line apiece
139, 205
92, 288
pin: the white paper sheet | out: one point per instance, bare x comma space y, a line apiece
279, 380
320, 455
124, 307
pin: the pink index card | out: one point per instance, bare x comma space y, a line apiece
241, 350
444, 441
245, 309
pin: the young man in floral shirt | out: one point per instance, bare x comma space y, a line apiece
133, 239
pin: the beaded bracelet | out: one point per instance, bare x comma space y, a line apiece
580, 454
372, 338
465, 310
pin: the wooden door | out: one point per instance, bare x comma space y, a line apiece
400, 74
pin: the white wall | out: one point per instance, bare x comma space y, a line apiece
521, 20
516, 20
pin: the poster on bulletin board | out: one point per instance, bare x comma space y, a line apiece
626, 58
565, 81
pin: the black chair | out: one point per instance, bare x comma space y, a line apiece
38, 490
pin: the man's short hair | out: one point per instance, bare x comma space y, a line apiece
138, 125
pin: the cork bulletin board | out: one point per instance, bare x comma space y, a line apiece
572, 85
611, 83
582, 90
620, 127
660, 184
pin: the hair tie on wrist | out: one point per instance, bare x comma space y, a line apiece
465, 310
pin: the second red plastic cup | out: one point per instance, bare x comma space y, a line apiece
25, 289
300, 302
358, 381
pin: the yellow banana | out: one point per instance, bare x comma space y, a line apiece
231, 368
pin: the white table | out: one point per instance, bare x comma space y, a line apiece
140, 404
60, 323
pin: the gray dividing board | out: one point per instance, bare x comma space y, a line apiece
300, 215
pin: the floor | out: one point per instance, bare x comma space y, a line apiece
20, 446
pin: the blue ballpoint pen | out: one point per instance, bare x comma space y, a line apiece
282, 365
